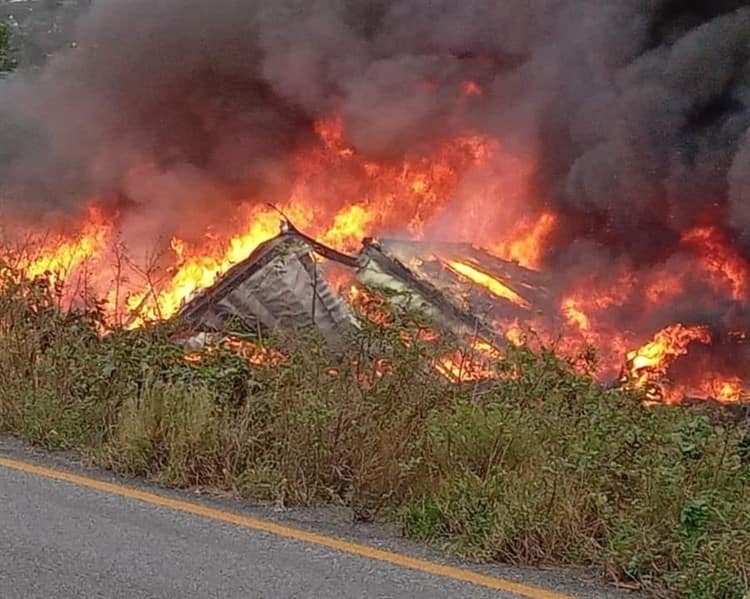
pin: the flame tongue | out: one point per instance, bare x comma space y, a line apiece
723, 265
648, 365
488, 282
526, 246
63, 256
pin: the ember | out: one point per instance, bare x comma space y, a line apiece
370, 305
476, 362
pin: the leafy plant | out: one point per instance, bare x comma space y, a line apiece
540, 466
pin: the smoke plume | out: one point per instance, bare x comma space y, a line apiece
637, 113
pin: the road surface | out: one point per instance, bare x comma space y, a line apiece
70, 534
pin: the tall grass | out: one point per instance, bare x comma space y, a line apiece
542, 466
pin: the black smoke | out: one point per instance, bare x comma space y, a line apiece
637, 111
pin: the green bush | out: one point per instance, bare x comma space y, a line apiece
567, 473
541, 466
7, 61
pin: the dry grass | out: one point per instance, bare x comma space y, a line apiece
543, 467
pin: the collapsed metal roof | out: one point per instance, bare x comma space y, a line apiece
283, 286
278, 287
381, 268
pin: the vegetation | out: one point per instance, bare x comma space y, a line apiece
543, 466
7, 62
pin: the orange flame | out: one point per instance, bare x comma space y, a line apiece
650, 363
575, 315
387, 194
376, 196
62, 256
723, 264
339, 196
350, 227
490, 283
255, 354
370, 305
526, 244
729, 390
470, 365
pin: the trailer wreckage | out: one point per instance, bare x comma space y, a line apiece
481, 301
284, 286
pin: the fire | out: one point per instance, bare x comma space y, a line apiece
471, 364
471, 88
467, 364
575, 315
423, 335
514, 334
665, 288
721, 262
371, 305
387, 195
330, 130
197, 270
666, 345
648, 365
526, 245
336, 195
340, 196
728, 390
350, 227
63, 256
491, 284
254, 353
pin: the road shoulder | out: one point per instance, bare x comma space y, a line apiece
319, 523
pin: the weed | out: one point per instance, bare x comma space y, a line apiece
542, 465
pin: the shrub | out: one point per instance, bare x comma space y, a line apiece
540, 466
7, 61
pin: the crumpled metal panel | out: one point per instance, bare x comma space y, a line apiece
279, 287
381, 269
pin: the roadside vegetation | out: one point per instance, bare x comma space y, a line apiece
543, 466
7, 61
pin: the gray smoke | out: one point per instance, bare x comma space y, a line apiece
638, 110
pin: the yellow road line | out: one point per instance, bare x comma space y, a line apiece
279, 530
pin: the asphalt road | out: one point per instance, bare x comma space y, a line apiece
64, 539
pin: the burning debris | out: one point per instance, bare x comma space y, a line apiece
498, 290
292, 282
383, 267
611, 196
283, 285
652, 367
471, 294
279, 286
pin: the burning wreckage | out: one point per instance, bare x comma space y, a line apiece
284, 285
480, 300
